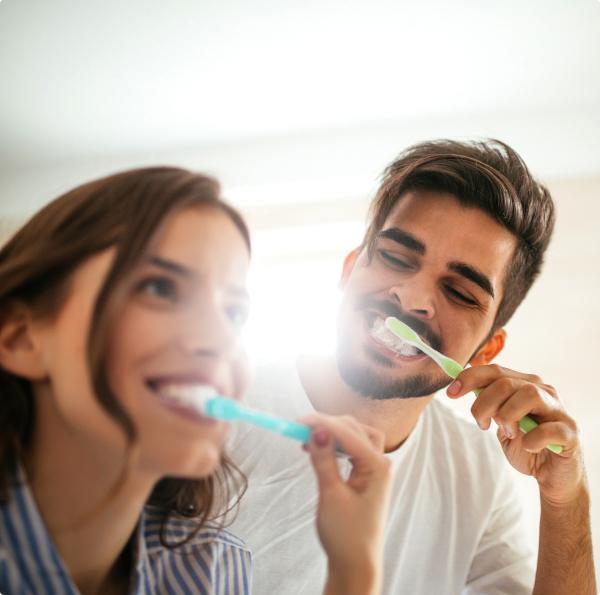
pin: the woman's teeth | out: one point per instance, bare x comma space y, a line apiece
194, 395
383, 335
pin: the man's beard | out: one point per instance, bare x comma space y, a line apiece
367, 380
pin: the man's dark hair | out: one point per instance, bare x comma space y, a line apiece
488, 175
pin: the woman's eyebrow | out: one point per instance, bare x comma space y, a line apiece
170, 265
183, 271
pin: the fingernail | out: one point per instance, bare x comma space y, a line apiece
454, 388
481, 425
508, 432
321, 437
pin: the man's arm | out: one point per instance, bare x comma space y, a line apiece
565, 559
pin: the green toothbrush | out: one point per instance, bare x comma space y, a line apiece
451, 367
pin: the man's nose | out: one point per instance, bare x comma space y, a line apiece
414, 297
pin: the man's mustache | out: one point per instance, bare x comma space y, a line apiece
389, 308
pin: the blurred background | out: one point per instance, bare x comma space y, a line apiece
297, 108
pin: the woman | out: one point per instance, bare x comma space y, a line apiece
113, 299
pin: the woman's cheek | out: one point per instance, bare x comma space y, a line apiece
242, 374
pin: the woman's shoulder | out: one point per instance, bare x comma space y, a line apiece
180, 556
166, 533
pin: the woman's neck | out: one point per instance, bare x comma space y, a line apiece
89, 501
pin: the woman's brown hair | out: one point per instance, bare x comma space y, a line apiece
123, 211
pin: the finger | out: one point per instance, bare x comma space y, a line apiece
492, 398
530, 399
376, 437
478, 377
362, 443
554, 432
322, 457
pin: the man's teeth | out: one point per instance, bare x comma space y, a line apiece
382, 334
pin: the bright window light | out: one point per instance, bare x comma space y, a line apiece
294, 288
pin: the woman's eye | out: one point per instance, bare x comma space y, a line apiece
161, 287
393, 260
458, 295
238, 314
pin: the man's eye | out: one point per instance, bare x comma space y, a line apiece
238, 314
393, 260
458, 295
161, 287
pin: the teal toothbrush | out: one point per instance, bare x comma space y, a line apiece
451, 367
207, 402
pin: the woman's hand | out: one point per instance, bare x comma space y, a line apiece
352, 513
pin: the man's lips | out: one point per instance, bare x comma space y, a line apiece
385, 342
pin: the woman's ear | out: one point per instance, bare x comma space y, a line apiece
20, 352
490, 349
349, 262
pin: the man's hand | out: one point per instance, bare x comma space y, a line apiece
506, 396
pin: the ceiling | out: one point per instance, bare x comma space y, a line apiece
87, 79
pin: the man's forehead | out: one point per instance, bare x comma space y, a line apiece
440, 226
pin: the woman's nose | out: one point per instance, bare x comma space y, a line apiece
208, 331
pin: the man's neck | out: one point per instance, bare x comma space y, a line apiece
328, 393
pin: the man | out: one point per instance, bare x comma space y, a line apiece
456, 237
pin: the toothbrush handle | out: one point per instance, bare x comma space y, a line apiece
526, 424
227, 409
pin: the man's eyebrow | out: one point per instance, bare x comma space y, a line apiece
403, 237
472, 274
183, 271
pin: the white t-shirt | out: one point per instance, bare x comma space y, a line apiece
455, 521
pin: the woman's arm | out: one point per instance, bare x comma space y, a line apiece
351, 514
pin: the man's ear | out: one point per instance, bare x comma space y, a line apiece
20, 352
349, 262
490, 349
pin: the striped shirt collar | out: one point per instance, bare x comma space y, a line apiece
31, 564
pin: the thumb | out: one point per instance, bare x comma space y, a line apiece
323, 459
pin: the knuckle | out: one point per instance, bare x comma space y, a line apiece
496, 369
531, 391
534, 378
504, 384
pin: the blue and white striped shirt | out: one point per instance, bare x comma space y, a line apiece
214, 562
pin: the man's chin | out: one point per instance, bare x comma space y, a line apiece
376, 384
